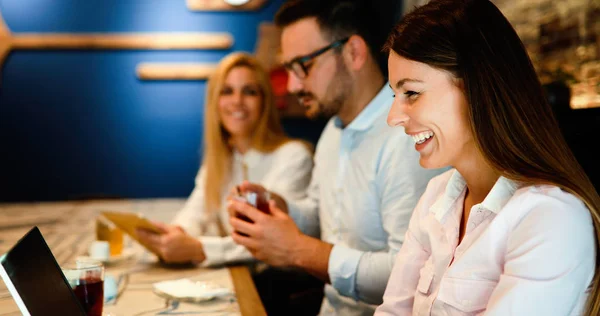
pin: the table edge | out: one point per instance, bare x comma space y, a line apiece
245, 291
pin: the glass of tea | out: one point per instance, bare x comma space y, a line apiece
86, 277
258, 200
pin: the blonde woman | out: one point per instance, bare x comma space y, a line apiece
244, 140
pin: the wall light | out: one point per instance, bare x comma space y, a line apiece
237, 2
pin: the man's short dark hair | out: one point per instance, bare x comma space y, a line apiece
338, 19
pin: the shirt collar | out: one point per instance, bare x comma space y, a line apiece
251, 158
454, 188
501, 192
366, 118
498, 196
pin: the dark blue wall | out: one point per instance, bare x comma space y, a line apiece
76, 124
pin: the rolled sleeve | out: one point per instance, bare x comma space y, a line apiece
222, 250
213, 250
343, 264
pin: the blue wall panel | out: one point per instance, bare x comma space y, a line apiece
79, 123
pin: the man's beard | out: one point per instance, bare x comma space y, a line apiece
337, 93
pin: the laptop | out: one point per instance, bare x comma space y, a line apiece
35, 280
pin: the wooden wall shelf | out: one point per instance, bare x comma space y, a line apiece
174, 71
157, 41
150, 41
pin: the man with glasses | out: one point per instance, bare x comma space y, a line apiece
367, 178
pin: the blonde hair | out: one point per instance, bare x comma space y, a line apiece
218, 153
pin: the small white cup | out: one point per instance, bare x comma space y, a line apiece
99, 250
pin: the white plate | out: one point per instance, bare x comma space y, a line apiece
186, 290
127, 253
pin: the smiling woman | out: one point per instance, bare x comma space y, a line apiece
485, 235
240, 114
243, 140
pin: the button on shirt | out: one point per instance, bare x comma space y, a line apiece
286, 171
526, 251
365, 185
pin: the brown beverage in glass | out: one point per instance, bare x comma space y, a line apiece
259, 201
90, 293
262, 203
86, 278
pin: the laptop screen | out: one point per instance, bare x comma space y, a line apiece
35, 279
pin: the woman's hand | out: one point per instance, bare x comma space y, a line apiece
173, 245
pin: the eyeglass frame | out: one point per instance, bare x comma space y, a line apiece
302, 60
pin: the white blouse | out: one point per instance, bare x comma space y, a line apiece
526, 251
285, 171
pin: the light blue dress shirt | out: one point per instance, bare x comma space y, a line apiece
364, 187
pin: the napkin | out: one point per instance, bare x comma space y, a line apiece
186, 288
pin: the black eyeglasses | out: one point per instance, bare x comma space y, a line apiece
298, 65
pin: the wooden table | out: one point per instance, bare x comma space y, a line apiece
69, 227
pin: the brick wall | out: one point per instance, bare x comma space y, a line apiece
563, 39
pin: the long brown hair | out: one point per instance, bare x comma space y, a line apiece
511, 120
218, 153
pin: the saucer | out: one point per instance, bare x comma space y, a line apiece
125, 254
186, 290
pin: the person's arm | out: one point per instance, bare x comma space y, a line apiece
223, 250
288, 177
549, 261
290, 173
305, 211
399, 294
275, 239
312, 255
179, 242
173, 245
191, 217
216, 250
400, 183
